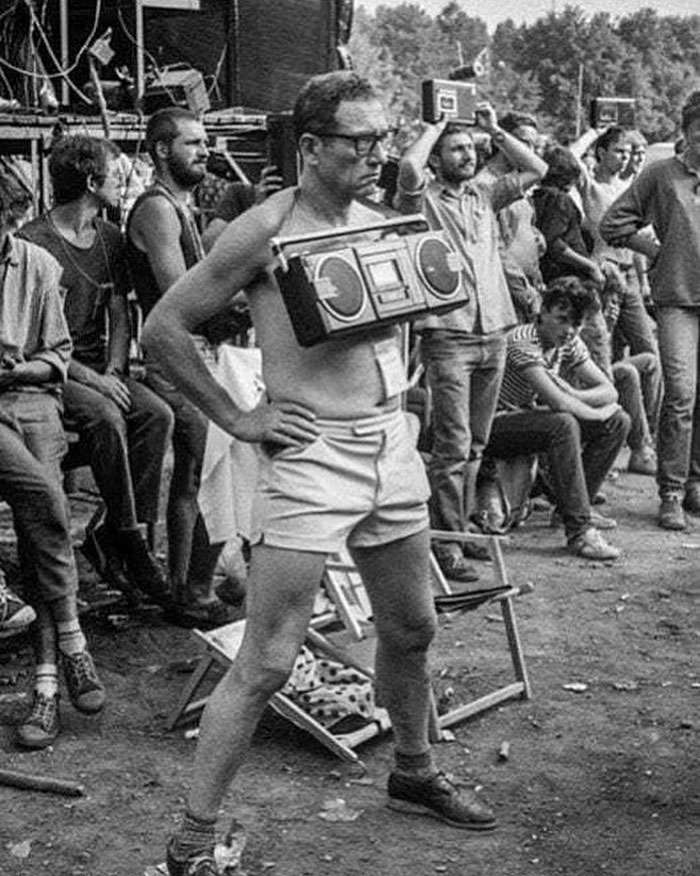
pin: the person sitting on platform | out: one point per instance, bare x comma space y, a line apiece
580, 429
124, 428
35, 348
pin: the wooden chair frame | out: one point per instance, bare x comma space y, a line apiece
351, 607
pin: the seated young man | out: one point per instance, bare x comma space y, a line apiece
34, 353
581, 429
124, 428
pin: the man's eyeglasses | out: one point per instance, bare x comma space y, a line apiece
363, 143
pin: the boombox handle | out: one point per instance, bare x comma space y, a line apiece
279, 243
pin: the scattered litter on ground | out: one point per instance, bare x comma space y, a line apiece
20, 850
338, 810
575, 686
626, 685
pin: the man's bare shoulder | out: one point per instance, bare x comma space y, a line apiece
257, 225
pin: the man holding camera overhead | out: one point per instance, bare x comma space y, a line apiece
464, 350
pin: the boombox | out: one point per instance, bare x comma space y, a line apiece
455, 101
342, 282
177, 85
613, 111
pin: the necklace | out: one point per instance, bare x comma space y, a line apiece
69, 255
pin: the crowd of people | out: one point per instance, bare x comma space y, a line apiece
580, 334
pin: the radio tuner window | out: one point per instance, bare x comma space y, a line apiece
385, 275
448, 103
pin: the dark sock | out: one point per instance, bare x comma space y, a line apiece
195, 837
417, 764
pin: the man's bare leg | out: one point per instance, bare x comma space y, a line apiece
397, 580
279, 604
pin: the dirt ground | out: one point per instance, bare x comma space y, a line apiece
601, 781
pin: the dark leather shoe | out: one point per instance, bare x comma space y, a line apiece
100, 548
142, 568
439, 797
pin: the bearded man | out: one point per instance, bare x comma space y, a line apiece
164, 242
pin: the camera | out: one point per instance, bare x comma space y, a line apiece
282, 147
606, 111
341, 282
450, 99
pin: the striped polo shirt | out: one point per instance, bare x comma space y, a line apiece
524, 351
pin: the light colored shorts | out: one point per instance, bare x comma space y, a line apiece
361, 483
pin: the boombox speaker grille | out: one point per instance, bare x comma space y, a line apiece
343, 290
434, 261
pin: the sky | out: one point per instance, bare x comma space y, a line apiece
493, 11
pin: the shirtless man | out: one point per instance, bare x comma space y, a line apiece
343, 467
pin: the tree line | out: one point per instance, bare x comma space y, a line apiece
551, 68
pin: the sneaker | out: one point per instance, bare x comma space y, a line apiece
440, 798
671, 514
455, 568
592, 546
86, 691
41, 726
600, 521
200, 865
643, 462
15, 616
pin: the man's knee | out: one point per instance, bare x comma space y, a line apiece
409, 635
266, 671
564, 427
105, 419
626, 375
618, 423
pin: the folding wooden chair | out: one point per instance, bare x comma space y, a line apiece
352, 612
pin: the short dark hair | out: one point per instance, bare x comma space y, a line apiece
318, 101
163, 126
15, 198
608, 138
74, 160
691, 110
562, 167
450, 128
512, 120
570, 292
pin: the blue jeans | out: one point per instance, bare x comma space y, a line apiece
679, 422
32, 444
464, 374
638, 382
580, 454
634, 327
124, 450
